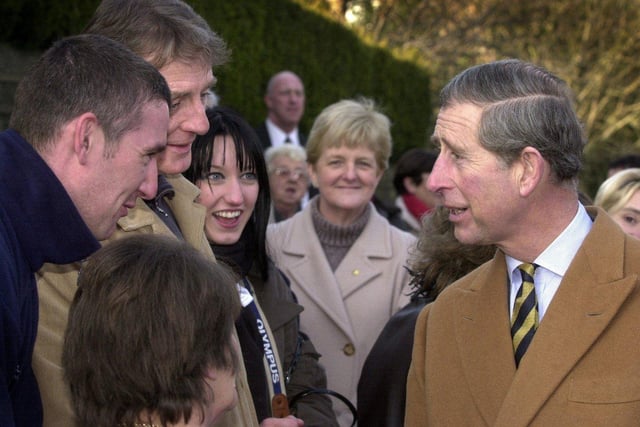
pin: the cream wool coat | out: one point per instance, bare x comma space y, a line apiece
343, 312
581, 369
56, 288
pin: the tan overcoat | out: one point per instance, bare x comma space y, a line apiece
581, 369
345, 310
56, 288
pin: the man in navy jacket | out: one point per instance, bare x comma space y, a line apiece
87, 122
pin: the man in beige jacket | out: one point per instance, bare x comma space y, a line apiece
181, 45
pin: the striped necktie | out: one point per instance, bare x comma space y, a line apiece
524, 320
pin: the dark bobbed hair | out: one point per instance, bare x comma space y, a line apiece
80, 74
439, 259
626, 161
150, 317
161, 31
413, 163
226, 122
523, 105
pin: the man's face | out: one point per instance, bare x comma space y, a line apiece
421, 191
285, 101
114, 182
189, 84
479, 190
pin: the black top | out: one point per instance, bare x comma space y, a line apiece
382, 385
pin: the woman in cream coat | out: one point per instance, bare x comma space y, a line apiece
344, 260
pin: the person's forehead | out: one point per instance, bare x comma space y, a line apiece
288, 161
456, 119
181, 76
287, 82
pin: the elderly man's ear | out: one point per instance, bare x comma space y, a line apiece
530, 169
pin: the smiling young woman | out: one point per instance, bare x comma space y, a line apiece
229, 169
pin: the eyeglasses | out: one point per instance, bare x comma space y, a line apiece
293, 174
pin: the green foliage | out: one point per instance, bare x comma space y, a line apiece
267, 36
592, 44
35, 24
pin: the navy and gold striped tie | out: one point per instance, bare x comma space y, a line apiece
524, 320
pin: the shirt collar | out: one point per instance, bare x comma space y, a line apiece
277, 136
558, 255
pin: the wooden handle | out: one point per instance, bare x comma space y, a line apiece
280, 406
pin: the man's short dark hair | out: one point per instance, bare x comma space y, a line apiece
80, 74
413, 163
625, 162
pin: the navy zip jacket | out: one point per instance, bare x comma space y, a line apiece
38, 224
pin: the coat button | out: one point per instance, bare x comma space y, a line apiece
349, 349
356, 272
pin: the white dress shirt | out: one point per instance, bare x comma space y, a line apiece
552, 263
277, 136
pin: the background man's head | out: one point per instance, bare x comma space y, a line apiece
623, 162
182, 46
98, 115
412, 172
285, 100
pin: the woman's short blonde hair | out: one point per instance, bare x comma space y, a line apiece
351, 123
616, 190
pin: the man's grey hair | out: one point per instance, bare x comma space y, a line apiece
523, 105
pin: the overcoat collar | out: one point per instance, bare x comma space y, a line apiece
588, 298
182, 205
313, 274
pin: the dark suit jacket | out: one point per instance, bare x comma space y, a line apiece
581, 369
263, 134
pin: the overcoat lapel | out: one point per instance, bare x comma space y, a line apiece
359, 267
138, 217
313, 273
183, 205
589, 296
487, 358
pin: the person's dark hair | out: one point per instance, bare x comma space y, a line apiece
226, 122
439, 259
150, 318
413, 163
80, 74
626, 161
161, 31
522, 105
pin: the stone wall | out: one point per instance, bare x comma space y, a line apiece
13, 65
